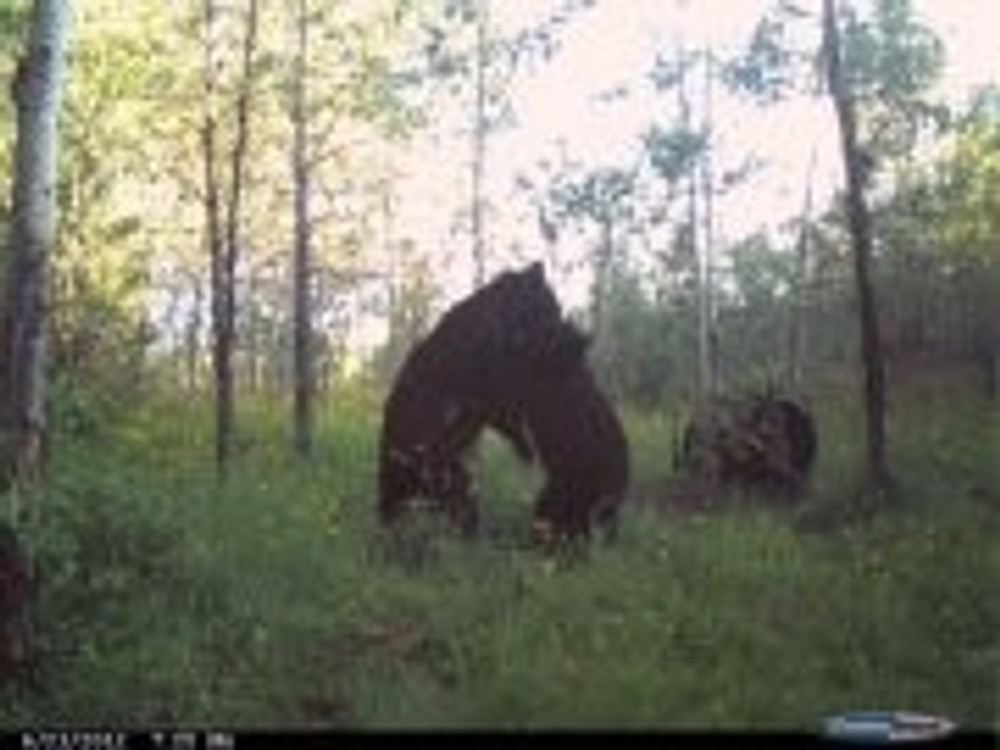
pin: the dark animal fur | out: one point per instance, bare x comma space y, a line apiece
579, 441
455, 381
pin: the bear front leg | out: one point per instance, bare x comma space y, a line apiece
399, 482
455, 490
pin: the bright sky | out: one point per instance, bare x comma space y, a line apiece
614, 44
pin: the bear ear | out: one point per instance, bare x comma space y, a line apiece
536, 269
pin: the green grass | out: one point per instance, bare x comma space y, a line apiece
273, 601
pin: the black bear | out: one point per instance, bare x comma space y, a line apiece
787, 434
763, 440
578, 439
455, 381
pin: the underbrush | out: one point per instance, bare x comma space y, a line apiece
271, 600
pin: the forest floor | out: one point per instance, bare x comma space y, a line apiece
272, 601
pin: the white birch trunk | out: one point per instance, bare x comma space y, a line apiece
36, 91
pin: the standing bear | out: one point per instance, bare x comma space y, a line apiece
460, 377
578, 439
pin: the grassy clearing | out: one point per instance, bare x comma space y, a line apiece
273, 601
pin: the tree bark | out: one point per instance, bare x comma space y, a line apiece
704, 386
707, 329
216, 247
988, 329
798, 334
36, 91
224, 248
602, 273
479, 145
302, 260
192, 337
860, 225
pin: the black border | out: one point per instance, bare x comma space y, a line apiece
223, 739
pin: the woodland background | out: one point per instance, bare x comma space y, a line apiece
242, 256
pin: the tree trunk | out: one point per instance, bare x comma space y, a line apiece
216, 248
988, 328
302, 262
251, 336
798, 337
225, 248
704, 387
602, 279
37, 92
859, 221
192, 337
707, 330
479, 145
